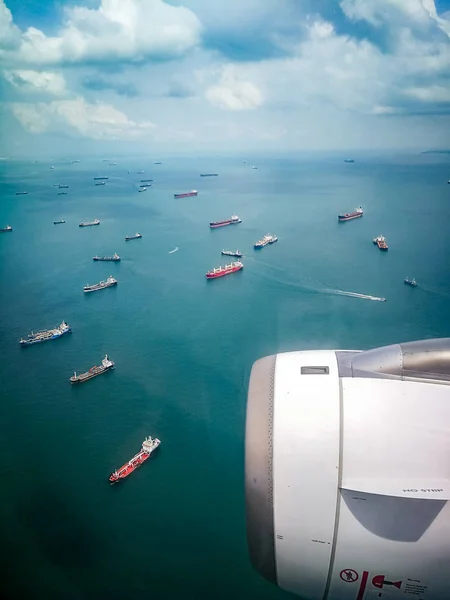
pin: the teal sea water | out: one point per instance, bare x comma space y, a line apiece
183, 348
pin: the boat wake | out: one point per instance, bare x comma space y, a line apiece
354, 295
284, 277
174, 250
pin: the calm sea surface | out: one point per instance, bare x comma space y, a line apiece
183, 349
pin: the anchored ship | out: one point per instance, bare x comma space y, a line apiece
58, 222
349, 160
380, 241
267, 239
226, 270
114, 258
358, 212
231, 253
136, 236
7, 228
233, 220
46, 335
100, 183
186, 194
62, 187
62, 193
146, 181
209, 174
411, 282
101, 285
106, 365
89, 223
100, 178
148, 446
21, 193
143, 188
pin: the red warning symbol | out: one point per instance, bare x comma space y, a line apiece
349, 575
379, 581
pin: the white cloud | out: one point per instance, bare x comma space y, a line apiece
119, 30
234, 93
37, 81
96, 121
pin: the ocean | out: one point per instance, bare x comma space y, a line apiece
183, 348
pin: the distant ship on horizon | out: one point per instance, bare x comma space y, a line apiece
186, 194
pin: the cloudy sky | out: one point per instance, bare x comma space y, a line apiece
223, 75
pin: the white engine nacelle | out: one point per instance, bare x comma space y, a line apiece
348, 472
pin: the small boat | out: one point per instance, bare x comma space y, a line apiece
148, 446
231, 253
114, 258
136, 236
58, 222
380, 241
411, 282
7, 228
226, 270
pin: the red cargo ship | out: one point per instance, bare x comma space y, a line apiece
233, 220
148, 445
356, 214
380, 241
226, 270
186, 194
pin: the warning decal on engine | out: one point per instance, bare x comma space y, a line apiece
386, 587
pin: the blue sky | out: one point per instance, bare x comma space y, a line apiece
223, 75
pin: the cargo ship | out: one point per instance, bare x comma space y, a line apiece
267, 239
62, 193
148, 446
209, 174
100, 183
146, 181
58, 222
89, 223
226, 270
157, 163
21, 193
233, 220
7, 228
101, 285
114, 258
143, 188
231, 253
46, 335
380, 241
63, 187
106, 365
100, 178
186, 194
358, 212
411, 282
136, 236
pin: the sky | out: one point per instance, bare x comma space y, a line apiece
177, 76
